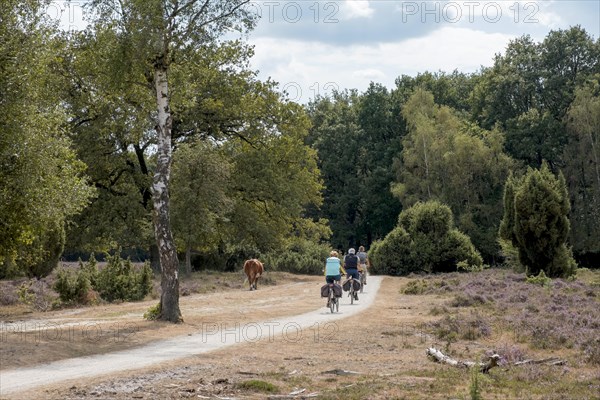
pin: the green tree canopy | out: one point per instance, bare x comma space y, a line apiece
41, 181
582, 167
446, 158
200, 188
528, 90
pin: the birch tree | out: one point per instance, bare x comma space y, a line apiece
157, 35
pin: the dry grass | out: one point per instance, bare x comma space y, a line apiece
385, 345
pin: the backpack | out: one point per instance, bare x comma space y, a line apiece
351, 261
362, 256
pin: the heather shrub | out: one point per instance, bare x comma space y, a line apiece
468, 299
467, 327
417, 286
8, 295
564, 317
36, 294
591, 349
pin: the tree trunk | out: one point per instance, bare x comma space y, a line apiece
426, 168
188, 259
169, 299
154, 259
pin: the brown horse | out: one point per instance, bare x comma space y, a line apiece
253, 269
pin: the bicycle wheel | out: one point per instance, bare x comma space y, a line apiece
337, 304
331, 300
362, 281
352, 293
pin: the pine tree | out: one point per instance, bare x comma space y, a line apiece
536, 222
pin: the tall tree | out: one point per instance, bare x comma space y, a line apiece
582, 168
527, 92
41, 181
380, 141
536, 222
113, 134
156, 35
448, 159
274, 182
335, 135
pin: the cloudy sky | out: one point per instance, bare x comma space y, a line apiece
311, 47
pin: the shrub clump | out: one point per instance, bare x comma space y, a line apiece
72, 287
417, 286
153, 313
541, 279
425, 240
118, 280
300, 257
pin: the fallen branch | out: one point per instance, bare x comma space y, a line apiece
341, 372
483, 367
492, 362
549, 361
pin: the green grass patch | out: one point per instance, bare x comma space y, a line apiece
257, 385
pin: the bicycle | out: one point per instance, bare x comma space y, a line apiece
332, 301
363, 279
352, 291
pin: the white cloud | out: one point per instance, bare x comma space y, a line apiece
369, 73
307, 69
356, 9
549, 18
523, 12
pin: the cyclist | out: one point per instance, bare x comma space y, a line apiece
351, 266
333, 269
364, 262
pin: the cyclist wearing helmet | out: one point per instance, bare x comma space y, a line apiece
351, 262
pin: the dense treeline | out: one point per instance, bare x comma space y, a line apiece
254, 174
456, 137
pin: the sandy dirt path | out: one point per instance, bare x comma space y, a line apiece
209, 336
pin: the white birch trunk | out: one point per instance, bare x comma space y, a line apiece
169, 300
